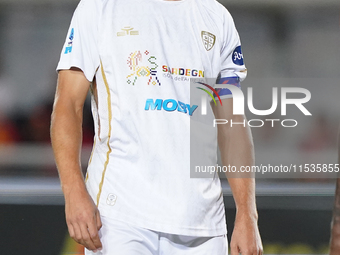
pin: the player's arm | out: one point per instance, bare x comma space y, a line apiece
236, 149
82, 215
335, 228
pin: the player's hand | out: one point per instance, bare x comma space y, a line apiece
246, 238
83, 219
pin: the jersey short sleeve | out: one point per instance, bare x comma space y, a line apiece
233, 69
80, 48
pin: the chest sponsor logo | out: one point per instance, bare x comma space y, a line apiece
127, 31
169, 105
181, 73
142, 65
208, 40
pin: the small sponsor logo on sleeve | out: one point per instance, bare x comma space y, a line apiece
69, 46
238, 56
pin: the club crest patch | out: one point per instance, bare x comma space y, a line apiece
208, 40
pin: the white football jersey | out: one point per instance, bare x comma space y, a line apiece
142, 54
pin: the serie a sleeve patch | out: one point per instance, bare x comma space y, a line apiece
227, 80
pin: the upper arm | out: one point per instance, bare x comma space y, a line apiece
238, 131
225, 111
72, 89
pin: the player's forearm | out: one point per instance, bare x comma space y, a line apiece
237, 150
66, 137
244, 195
335, 227
335, 234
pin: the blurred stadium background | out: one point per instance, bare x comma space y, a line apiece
290, 43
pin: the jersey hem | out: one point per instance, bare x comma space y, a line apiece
167, 228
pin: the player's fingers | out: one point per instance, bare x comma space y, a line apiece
99, 222
234, 249
247, 252
93, 232
86, 239
77, 234
71, 231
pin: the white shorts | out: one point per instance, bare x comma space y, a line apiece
120, 238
